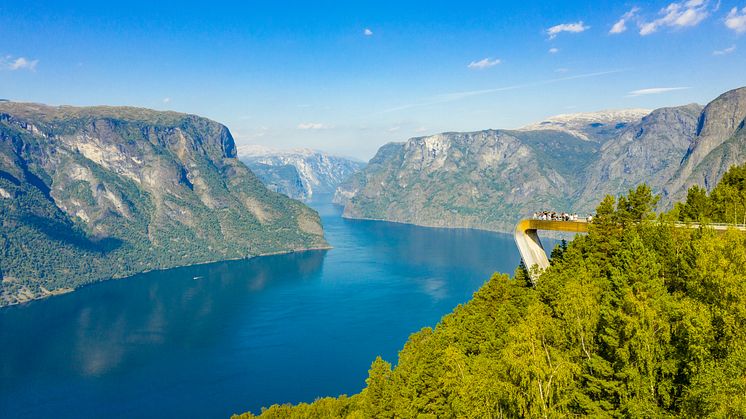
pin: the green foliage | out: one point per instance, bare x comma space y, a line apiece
636, 319
725, 204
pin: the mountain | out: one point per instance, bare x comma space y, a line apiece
490, 179
591, 126
650, 151
720, 144
298, 173
475, 180
94, 193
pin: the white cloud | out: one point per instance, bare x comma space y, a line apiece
20, 63
736, 20
394, 129
562, 70
654, 91
621, 25
484, 63
677, 15
166, 100
576, 27
553, 50
725, 51
312, 125
367, 32
420, 129
450, 97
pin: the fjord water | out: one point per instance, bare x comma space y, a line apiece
211, 340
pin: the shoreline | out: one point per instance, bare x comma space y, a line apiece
547, 235
427, 225
63, 291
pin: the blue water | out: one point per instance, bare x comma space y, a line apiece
244, 334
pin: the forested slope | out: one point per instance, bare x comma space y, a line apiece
635, 319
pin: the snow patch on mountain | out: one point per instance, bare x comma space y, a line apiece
580, 124
319, 172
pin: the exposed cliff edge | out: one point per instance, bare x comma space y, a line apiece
100, 192
490, 179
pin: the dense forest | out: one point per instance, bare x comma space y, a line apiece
635, 319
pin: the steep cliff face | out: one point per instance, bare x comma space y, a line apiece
465, 179
94, 193
490, 179
319, 173
649, 151
719, 144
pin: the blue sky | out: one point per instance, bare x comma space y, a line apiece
347, 77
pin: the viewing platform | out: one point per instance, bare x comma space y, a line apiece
533, 254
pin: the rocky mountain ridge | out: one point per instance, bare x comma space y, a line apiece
490, 179
298, 173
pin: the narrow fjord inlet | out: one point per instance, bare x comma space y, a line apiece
241, 335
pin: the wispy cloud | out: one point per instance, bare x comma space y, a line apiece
367, 32
725, 51
553, 50
312, 126
484, 63
166, 100
654, 91
20, 63
677, 15
621, 25
736, 20
576, 27
454, 96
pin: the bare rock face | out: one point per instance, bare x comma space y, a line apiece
719, 143
649, 151
95, 193
473, 180
303, 174
490, 179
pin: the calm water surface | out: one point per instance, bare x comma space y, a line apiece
244, 334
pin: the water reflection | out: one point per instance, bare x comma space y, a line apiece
121, 322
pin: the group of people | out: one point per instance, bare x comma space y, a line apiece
556, 216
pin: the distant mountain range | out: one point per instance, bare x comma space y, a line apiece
489, 179
94, 193
298, 173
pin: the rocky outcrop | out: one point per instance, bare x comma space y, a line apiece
95, 193
319, 173
490, 179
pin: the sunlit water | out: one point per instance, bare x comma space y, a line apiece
211, 340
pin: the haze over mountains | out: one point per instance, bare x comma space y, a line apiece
490, 179
298, 173
94, 193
